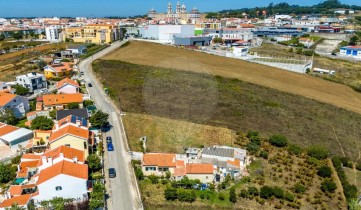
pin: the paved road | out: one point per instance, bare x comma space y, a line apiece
123, 190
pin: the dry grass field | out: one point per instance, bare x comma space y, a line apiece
158, 55
354, 177
167, 135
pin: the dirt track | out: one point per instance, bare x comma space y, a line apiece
158, 55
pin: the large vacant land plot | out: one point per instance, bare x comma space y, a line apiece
239, 106
158, 55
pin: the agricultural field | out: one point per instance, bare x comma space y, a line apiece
227, 103
170, 57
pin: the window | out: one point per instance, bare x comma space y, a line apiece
84, 145
58, 188
67, 145
150, 169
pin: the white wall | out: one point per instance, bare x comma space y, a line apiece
166, 33
72, 187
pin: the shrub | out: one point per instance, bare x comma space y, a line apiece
243, 193
186, 195
328, 186
232, 195
170, 193
263, 154
358, 166
221, 196
346, 162
278, 192
317, 152
299, 188
252, 148
153, 179
289, 196
278, 140
324, 172
266, 192
294, 149
350, 191
139, 174
253, 191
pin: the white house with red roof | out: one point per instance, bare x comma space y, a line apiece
67, 86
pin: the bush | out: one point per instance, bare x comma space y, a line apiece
350, 191
263, 154
42, 123
346, 162
243, 193
94, 162
299, 188
266, 192
253, 147
317, 152
73, 105
153, 179
328, 186
294, 149
278, 140
289, 196
358, 166
232, 195
16, 160
170, 193
221, 196
253, 191
278, 192
139, 174
324, 172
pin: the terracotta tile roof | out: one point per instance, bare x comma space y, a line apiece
199, 168
63, 67
5, 129
70, 130
180, 169
6, 98
15, 190
160, 160
65, 81
30, 156
63, 167
24, 166
21, 200
236, 162
68, 152
56, 99
31, 113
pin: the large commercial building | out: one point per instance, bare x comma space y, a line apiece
166, 33
96, 33
52, 33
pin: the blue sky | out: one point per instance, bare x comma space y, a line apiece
99, 8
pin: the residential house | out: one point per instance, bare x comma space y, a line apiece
72, 136
59, 101
18, 104
58, 70
67, 86
21, 201
202, 171
33, 81
306, 41
73, 51
14, 136
352, 51
158, 164
40, 140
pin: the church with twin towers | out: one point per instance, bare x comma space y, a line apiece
180, 13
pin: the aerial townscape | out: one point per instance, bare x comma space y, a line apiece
162, 105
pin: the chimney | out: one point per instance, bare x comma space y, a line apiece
61, 155
43, 159
75, 159
50, 161
78, 123
19, 167
56, 125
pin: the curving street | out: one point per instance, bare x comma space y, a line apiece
122, 190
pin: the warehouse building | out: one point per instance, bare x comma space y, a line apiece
166, 33
354, 51
193, 41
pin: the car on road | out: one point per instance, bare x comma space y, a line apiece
112, 173
109, 139
334, 54
90, 85
110, 147
81, 73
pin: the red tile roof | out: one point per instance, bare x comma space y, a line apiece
5, 129
180, 169
68, 152
63, 167
56, 99
66, 81
6, 98
70, 130
160, 160
21, 200
15, 190
199, 168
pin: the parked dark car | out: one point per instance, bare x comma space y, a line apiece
109, 139
334, 54
90, 85
112, 173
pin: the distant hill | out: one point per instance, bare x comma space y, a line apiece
324, 8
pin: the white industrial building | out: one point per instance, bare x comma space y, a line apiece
166, 33
52, 33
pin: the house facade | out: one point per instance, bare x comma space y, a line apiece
67, 86
18, 104
59, 70
59, 101
158, 164
352, 51
33, 81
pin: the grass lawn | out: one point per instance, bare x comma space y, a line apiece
239, 106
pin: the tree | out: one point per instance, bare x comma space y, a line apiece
253, 191
42, 123
20, 90
153, 179
266, 192
18, 35
41, 64
347, 12
2, 37
94, 162
97, 196
317, 152
15, 206
139, 173
299, 188
328, 186
324, 172
8, 117
353, 40
186, 195
217, 40
232, 195
170, 193
289, 196
278, 140
6, 173
99, 119
278, 192
73, 105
